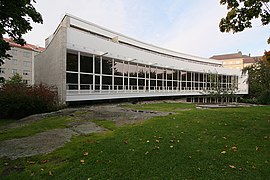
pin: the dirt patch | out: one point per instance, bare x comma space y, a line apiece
46, 142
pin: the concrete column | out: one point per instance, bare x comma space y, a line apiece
156, 78
137, 77
128, 76
113, 74
79, 70
100, 77
94, 76
149, 79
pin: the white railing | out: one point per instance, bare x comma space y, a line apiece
73, 89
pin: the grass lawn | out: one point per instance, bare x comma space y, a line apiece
229, 143
34, 128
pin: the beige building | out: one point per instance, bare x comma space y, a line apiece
235, 61
21, 62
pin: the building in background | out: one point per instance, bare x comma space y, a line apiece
235, 60
21, 62
88, 62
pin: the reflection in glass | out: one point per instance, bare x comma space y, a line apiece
97, 65
169, 74
107, 80
125, 69
132, 69
188, 76
153, 83
133, 81
175, 75
72, 78
118, 68
147, 72
72, 62
141, 71
86, 79
169, 83
141, 82
106, 66
86, 64
196, 76
159, 73
153, 72
72, 81
118, 81
159, 83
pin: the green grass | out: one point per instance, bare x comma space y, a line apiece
4, 122
35, 127
185, 145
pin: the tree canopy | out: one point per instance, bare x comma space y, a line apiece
15, 18
242, 12
259, 81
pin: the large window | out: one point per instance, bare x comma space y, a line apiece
104, 73
118, 68
97, 65
86, 81
107, 66
132, 69
72, 62
86, 63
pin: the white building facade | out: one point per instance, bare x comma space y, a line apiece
88, 62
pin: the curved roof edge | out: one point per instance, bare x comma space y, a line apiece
141, 43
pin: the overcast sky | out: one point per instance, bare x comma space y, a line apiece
182, 25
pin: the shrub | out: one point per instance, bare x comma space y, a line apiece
18, 100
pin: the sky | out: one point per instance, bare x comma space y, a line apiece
185, 26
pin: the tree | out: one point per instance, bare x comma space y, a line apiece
16, 79
242, 12
15, 17
218, 91
259, 81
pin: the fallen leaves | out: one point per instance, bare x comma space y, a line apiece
45, 161
232, 166
82, 161
50, 173
85, 153
223, 152
234, 148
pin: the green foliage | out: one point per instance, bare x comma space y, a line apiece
259, 82
242, 12
16, 79
196, 144
19, 100
15, 16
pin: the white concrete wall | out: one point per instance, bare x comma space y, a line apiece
109, 33
50, 66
